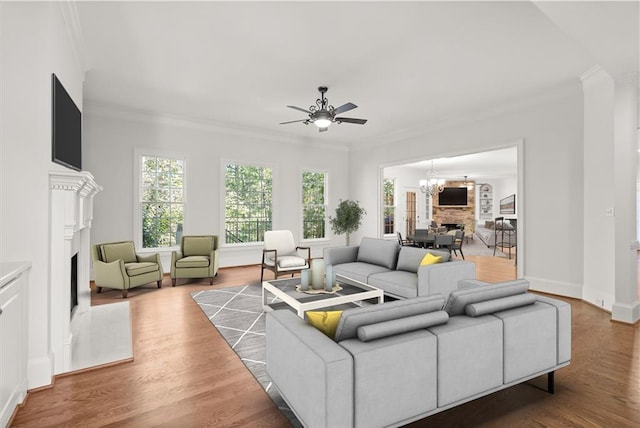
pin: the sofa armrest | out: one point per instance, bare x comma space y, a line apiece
339, 255
470, 283
312, 372
110, 275
442, 278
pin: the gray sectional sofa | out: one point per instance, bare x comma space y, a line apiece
394, 363
396, 270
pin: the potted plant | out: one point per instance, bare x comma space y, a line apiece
348, 218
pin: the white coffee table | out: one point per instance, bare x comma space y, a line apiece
285, 289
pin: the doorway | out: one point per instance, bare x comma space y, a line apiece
410, 213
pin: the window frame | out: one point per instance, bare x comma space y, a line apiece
137, 202
385, 206
223, 204
326, 204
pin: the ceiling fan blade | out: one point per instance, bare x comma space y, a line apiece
351, 120
345, 107
299, 108
323, 129
293, 121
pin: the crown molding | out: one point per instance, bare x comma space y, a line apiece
472, 115
120, 112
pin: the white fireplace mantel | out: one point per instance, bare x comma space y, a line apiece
71, 205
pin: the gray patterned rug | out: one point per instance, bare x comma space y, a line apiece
236, 312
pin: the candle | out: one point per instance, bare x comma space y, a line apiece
305, 277
317, 274
328, 282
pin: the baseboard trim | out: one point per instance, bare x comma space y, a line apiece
560, 288
40, 372
628, 314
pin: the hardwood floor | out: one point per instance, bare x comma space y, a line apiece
185, 375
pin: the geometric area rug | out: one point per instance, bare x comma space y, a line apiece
237, 313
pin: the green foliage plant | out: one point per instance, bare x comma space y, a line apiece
348, 218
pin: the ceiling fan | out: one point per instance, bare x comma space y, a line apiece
322, 114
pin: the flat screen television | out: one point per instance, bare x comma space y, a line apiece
66, 123
453, 196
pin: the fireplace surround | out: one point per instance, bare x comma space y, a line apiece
71, 212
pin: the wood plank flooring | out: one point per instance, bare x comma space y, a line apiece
185, 375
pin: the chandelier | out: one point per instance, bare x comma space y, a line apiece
432, 185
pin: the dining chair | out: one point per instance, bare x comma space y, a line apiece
444, 242
457, 243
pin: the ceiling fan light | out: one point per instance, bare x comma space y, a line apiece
322, 122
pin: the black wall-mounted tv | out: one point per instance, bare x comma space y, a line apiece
66, 123
453, 196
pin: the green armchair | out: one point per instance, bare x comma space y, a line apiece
197, 258
116, 265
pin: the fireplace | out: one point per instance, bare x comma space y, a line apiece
71, 213
74, 284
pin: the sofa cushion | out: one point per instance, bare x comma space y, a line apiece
193, 261
134, 269
285, 262
501, 304
353, 318
358, 271
325, 321
396, 282
197, 245
120, 250
459, 299
379, 252
379, 330
409, 258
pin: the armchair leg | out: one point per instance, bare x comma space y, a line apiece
160, 284
211, 281
99, 290
262, 275
173, 282
124, 293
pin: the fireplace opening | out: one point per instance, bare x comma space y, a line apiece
74, 282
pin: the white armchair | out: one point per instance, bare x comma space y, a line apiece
281, 255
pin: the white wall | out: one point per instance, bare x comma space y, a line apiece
112, 136
552, 171
35, 43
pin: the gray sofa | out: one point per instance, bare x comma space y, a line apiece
396, 270
397, 362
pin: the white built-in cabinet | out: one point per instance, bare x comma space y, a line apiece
14, 344
485, 197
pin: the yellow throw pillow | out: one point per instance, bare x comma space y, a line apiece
326, 322
430, 259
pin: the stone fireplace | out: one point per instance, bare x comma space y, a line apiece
71, 212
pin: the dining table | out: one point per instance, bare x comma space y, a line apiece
422, 240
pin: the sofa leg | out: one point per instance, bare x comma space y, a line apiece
551, 385
99, 290
124, 293
160, 284
211, 281
173, 282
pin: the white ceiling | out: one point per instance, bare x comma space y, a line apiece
407, 65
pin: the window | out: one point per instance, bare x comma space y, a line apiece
162, 201
388, 198
247, 203
313, 204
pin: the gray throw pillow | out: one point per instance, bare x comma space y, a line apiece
353, 318
459, 299
379, 330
